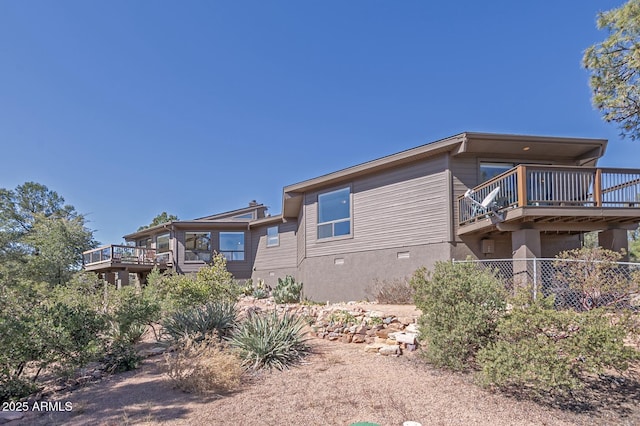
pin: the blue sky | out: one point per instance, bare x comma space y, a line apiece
131, 108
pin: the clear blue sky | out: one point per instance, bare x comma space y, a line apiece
131, 108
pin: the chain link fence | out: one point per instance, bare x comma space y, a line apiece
576, 284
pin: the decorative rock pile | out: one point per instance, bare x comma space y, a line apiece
379, 333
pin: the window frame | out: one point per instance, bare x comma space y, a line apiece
195, 251
495, 163
349, 218
277, 236
243, 251
168, 249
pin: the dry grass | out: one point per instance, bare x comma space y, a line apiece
396, 292
204, 367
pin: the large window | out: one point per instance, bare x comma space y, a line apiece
197, 246
491, 170
162, 243
273, 237
334, 213
232, 245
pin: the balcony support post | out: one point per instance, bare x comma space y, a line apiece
525, 244
616, 240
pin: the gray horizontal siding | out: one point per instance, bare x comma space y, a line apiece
464, 173
301, 236
282, 256
405, 206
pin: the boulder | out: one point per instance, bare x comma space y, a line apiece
358, 338
408, 338
374, 347
389, 350
411, 328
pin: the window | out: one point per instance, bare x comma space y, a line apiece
334, 213
244, 216
145, 242
232, 245
273, 237
197, 246
491, 170
162, 243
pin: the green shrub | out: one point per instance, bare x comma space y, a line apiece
287, 290
219, 280
270, 341
121, 356
134, 310
543, 349
198, 323
13, 388
177, 292
460, 306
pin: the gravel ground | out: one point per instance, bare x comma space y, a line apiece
338, 384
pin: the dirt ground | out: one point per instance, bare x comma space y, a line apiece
338, 384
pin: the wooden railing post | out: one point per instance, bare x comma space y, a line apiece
522, 186
597, 188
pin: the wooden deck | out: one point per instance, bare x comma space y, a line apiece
555, 199
121, 257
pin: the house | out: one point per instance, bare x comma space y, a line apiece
381, 220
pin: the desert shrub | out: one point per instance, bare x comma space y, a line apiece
270, 341
204, 367
37, 334
395, 292
177, 292
120, 356
219, 280
542, 349
83, 289
460, 307
133, 311
596, 281
13, 388
77, 334
198, 323
287, 290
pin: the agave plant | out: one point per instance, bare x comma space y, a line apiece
198, 323
271, 341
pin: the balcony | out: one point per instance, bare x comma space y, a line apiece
121, 257
554, 198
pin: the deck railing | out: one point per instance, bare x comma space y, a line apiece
126, 255
555, 186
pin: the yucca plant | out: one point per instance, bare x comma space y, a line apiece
271, 341
196, 324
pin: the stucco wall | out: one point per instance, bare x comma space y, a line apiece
352, 276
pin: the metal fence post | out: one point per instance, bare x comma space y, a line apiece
535, 278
